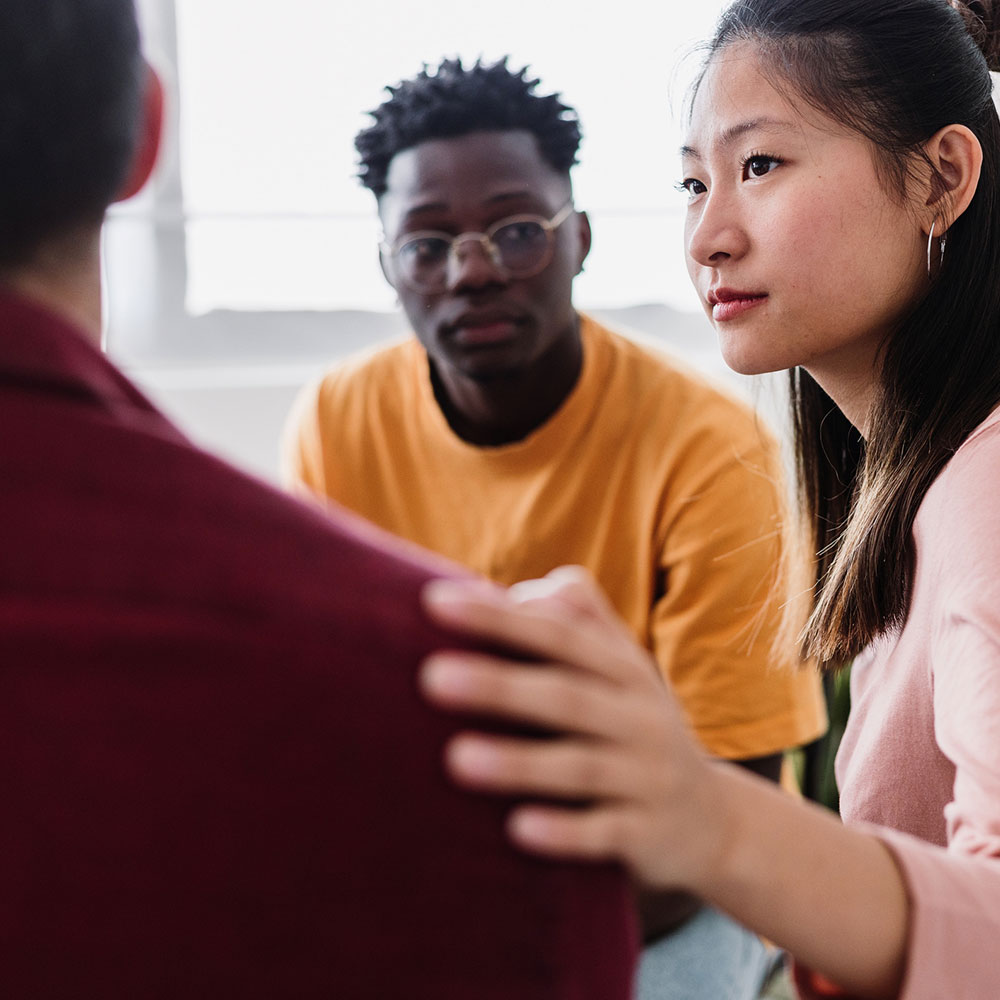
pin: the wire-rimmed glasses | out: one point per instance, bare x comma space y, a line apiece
520, 246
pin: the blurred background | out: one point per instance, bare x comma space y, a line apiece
251, 263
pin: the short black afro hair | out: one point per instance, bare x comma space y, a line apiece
451, 101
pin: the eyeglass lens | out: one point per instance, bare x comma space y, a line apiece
519, 247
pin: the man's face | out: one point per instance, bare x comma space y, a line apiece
483, 323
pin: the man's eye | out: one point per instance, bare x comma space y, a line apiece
519, 234
424, 249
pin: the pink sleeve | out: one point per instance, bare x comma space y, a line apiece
954, 939
954, 921
954, 892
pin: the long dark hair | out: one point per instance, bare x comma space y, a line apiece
895, 71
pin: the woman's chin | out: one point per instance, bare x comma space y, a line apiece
749, 363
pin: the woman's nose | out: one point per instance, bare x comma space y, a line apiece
716, 231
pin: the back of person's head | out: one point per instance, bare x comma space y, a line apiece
454, 100
894, 72
71, 77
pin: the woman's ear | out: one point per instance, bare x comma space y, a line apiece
150, 134
957, 158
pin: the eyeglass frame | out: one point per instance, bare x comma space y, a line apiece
485, 241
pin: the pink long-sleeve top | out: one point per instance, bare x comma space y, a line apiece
920, 760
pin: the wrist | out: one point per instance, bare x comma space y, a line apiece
732, 798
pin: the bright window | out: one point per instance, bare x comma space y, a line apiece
258, 208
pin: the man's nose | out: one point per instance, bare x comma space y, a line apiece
474, 262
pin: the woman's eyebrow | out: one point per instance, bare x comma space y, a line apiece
729, 135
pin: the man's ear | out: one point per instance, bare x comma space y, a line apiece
585, 237
385, 268
150, 135
382, 242
957, 158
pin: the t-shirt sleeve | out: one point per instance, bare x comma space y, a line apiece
301, 457
715, 625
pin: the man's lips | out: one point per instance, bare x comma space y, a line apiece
728, 303
483, 328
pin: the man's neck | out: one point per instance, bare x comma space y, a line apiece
507, 408
65, 276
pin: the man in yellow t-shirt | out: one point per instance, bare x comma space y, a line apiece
514, 435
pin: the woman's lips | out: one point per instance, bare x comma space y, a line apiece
727, 305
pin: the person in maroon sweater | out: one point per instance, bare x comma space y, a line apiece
218, 777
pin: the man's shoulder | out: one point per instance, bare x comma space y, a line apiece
255, 659
672, 393
653, 361
286, 558
381, 379
140, 511
380, 365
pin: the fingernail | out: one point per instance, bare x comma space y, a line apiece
470, 757
526, 826
440, 593
440, 676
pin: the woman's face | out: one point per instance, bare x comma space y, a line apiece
799, 252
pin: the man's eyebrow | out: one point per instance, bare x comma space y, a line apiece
502, 196
430, 206
728, 136
442, 206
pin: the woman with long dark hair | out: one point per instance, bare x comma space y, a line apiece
843, 172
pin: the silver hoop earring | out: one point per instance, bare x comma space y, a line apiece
930, 243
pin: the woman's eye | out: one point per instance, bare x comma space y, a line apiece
759, 165
691, 186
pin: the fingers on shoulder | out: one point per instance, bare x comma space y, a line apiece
563, 769
545, 695
607, 833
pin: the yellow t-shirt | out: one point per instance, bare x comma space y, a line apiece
664, 487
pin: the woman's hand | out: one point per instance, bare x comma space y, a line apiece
628, 780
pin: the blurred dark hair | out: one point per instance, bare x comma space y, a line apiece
71, 78
895, 72
453, 100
